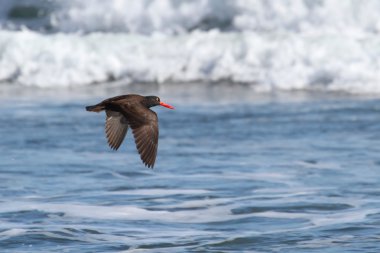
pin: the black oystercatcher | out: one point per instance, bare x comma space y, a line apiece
132, 110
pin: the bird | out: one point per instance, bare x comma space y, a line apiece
132, 111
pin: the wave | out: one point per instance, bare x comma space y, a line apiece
217, 210
276, 45
266, 62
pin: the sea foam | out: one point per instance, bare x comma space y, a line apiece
270, 62
292, 45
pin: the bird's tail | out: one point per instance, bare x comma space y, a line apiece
95, 108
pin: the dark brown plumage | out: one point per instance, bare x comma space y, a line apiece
132, 111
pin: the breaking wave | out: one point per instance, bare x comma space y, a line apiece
287, 45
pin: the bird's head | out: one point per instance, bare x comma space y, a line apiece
151, 101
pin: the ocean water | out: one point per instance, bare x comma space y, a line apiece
236, 172
273, 146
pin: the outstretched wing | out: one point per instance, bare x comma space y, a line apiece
146, 136
116, 128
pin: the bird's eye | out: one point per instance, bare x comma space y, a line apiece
157, 99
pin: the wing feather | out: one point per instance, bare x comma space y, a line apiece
116, 128
146, 138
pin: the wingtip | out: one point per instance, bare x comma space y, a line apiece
149, 166
112, 147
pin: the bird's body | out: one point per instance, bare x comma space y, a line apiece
132, 111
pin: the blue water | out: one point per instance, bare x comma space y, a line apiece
243, 175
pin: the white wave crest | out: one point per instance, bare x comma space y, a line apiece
268, 62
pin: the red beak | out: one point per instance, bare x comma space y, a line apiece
166, 105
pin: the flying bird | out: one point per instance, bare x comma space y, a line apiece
132, 111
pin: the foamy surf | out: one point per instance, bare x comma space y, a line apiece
329, 46
267, 63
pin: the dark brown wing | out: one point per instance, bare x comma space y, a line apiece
145, 131
116, 128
